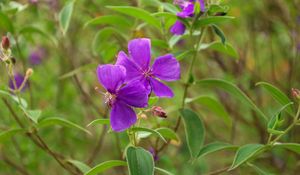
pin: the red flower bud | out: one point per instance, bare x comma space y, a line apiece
295, 93
159, 111
5, 43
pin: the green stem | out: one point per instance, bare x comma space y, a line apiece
295, 121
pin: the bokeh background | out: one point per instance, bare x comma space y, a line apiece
265, 35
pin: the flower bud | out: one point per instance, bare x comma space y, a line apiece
5, 43
295, 93
159, 111
29, 72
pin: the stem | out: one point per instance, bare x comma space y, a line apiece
296, 120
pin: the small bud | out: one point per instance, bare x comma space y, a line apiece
13, 60
5, 43
29, 72
142, 116
159, 111
295, 93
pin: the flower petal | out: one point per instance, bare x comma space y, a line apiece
187, 11
140, 51
178, 28
134, 94
121, 116
160, 89
132, 70
202, 5
111, 76
166, 68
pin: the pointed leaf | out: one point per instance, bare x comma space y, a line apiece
194, 131
4, 135
65, 16
214, 147
105, 166
295, 147
140, 161
99, 121
168, 133
278, 95
137, 13
245, 153
214, 106
62, 122
233, 90
80, 165
118, 21
138, 129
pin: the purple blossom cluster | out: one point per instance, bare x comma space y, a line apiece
132, 79
187, 11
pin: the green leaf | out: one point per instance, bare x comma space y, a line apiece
162, 171
137, 13
80, 165
214, 147
118, 21
233, 90
276, 119
278, 95
5, 23
140, 161
62, 122
19, 101
34, 115
65, 16
295, 147
194, 130
34, 30
274, 131
220, 33
214, 106
105, 166
138, 129
184, 55
245, 153
9, 133
99, 121
212, 20
168, 133
222, 48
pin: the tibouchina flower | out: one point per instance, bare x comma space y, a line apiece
137, 65
18, 82
121, 98
187, 11
36, 56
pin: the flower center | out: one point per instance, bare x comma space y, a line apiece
148, 73
110, 98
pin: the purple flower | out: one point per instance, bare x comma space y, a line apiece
187, 11
19, 78
178, 28
138, 67
36, 56
121, 98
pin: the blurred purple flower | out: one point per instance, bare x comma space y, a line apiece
19, 78
155, 156
178, 28
138, 67
121, 98
33, 1
36, 56
187, 11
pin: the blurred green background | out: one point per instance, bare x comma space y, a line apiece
265, 35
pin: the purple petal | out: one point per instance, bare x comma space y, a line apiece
160, 89
166, 68
202, 5
134, 94
140, 52
132, 70
178, 28
121, 116
111, 76
187, 11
